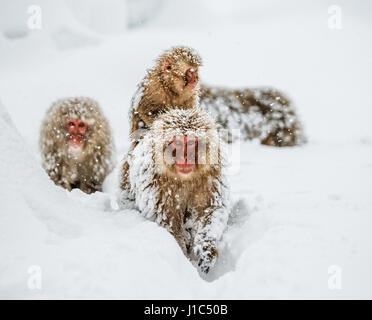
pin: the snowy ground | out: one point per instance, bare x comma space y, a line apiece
302, 209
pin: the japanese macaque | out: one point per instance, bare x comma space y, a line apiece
173, 83
174, 176
76, 144
261, 113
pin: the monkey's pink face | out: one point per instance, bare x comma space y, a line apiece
186, 76
191, 78
76, 132
184, 151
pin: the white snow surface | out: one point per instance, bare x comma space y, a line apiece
298, 210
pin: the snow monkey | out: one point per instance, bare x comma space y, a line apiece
261, 113
172, 83
76, 144
175, 177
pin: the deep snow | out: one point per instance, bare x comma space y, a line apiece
301, 209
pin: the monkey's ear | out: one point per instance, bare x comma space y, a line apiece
167, 67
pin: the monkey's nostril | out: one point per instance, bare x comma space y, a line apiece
191, 76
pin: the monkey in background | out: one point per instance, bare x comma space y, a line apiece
262, 113
76, 144
175, 177
173, 83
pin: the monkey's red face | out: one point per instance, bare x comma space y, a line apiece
191, 78
184, 151
186, 77
76, 132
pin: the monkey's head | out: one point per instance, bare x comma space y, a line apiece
187, 145
178, 70
79, 123
76, 124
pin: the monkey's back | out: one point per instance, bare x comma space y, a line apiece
262, 113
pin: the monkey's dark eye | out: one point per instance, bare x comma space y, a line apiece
169, 68
71, 124
81, 124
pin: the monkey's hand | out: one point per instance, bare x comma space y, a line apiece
208, 231
206, 255
90, 187
65, 184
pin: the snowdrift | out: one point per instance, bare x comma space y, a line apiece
84, 249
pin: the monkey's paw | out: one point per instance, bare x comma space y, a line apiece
65, 184
206, 257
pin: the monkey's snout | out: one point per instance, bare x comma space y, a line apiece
191, 76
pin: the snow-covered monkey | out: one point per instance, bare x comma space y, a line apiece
76, 144
175, 177
260, 113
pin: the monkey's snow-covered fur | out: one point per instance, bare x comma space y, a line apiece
195, 209
265, 114
85, 167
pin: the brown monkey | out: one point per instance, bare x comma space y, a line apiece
76, 144
175, 177
262, 113
172, 83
